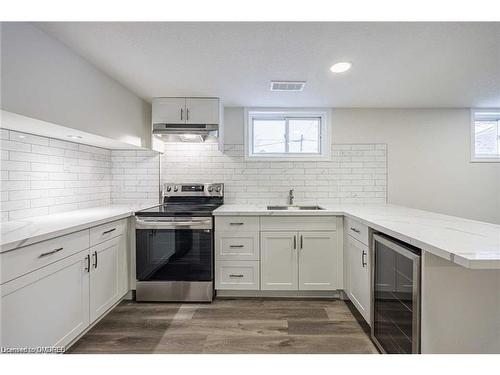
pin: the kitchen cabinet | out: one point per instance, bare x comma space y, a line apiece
279, 261
318, 260
237, 253
186, 111
359, 276
47, 307
357, 256
106, 274
202, 111
58, 287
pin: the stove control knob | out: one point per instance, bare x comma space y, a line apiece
169, 188
217, 189
210, 188
176, 189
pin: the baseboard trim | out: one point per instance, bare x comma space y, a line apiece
329, 294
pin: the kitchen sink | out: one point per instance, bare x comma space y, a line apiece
290, 208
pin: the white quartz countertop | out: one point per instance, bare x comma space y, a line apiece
469, 243
14, 234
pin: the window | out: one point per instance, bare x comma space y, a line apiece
287, 134
485, 135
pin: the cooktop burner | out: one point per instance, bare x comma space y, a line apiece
179, 209
187, 200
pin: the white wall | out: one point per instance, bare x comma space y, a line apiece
43, 79
428, 157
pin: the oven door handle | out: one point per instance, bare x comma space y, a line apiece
187, 224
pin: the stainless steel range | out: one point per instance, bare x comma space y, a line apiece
175, 245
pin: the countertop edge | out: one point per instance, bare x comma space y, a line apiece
10, 246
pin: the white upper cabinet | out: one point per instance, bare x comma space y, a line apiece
169, 111
318, 261
202, 111
186, 111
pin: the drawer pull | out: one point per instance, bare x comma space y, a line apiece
363, 261
236, 223
355, 230
51, 252
236, 246
108, 231
233, 275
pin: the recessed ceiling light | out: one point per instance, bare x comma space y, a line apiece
74, 136
340, 67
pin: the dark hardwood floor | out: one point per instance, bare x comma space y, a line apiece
228, 326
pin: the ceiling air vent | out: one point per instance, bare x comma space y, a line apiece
287, 85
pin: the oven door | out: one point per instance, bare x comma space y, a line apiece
174, 249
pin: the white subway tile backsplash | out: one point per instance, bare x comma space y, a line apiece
355, 173
40, 172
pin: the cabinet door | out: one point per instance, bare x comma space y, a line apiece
169, 110
104, 276
279, 261
318, 261
123, 266
202, 111
359, 276
47, 307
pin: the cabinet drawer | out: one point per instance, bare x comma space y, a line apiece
356, 230
243, 275
242, 246
26, 259
237, 223
107, 231
298, 223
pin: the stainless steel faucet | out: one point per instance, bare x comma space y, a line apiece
290, 197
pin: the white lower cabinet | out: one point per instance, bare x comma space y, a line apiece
237, 275
47, 307
358, 276
300, 261
319, 262
279, 265
106, 276
53, 304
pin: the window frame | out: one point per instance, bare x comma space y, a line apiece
473, 157
324, 141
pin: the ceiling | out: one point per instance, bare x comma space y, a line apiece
405, 65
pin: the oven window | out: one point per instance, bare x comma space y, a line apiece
174, 255
393, 300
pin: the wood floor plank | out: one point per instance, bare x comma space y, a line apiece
324, 328
288, 344
212, 327
260, 313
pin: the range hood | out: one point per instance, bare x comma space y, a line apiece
194, 133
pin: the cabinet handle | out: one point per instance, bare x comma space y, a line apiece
294, 242
95, 259
235, 246
51, 252
363, 255
301, 242
87, 259
233, 275
236, 223
182, 112
187, 114
108, 231
355, 230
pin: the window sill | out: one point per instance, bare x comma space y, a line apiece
288, 158
490, 159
